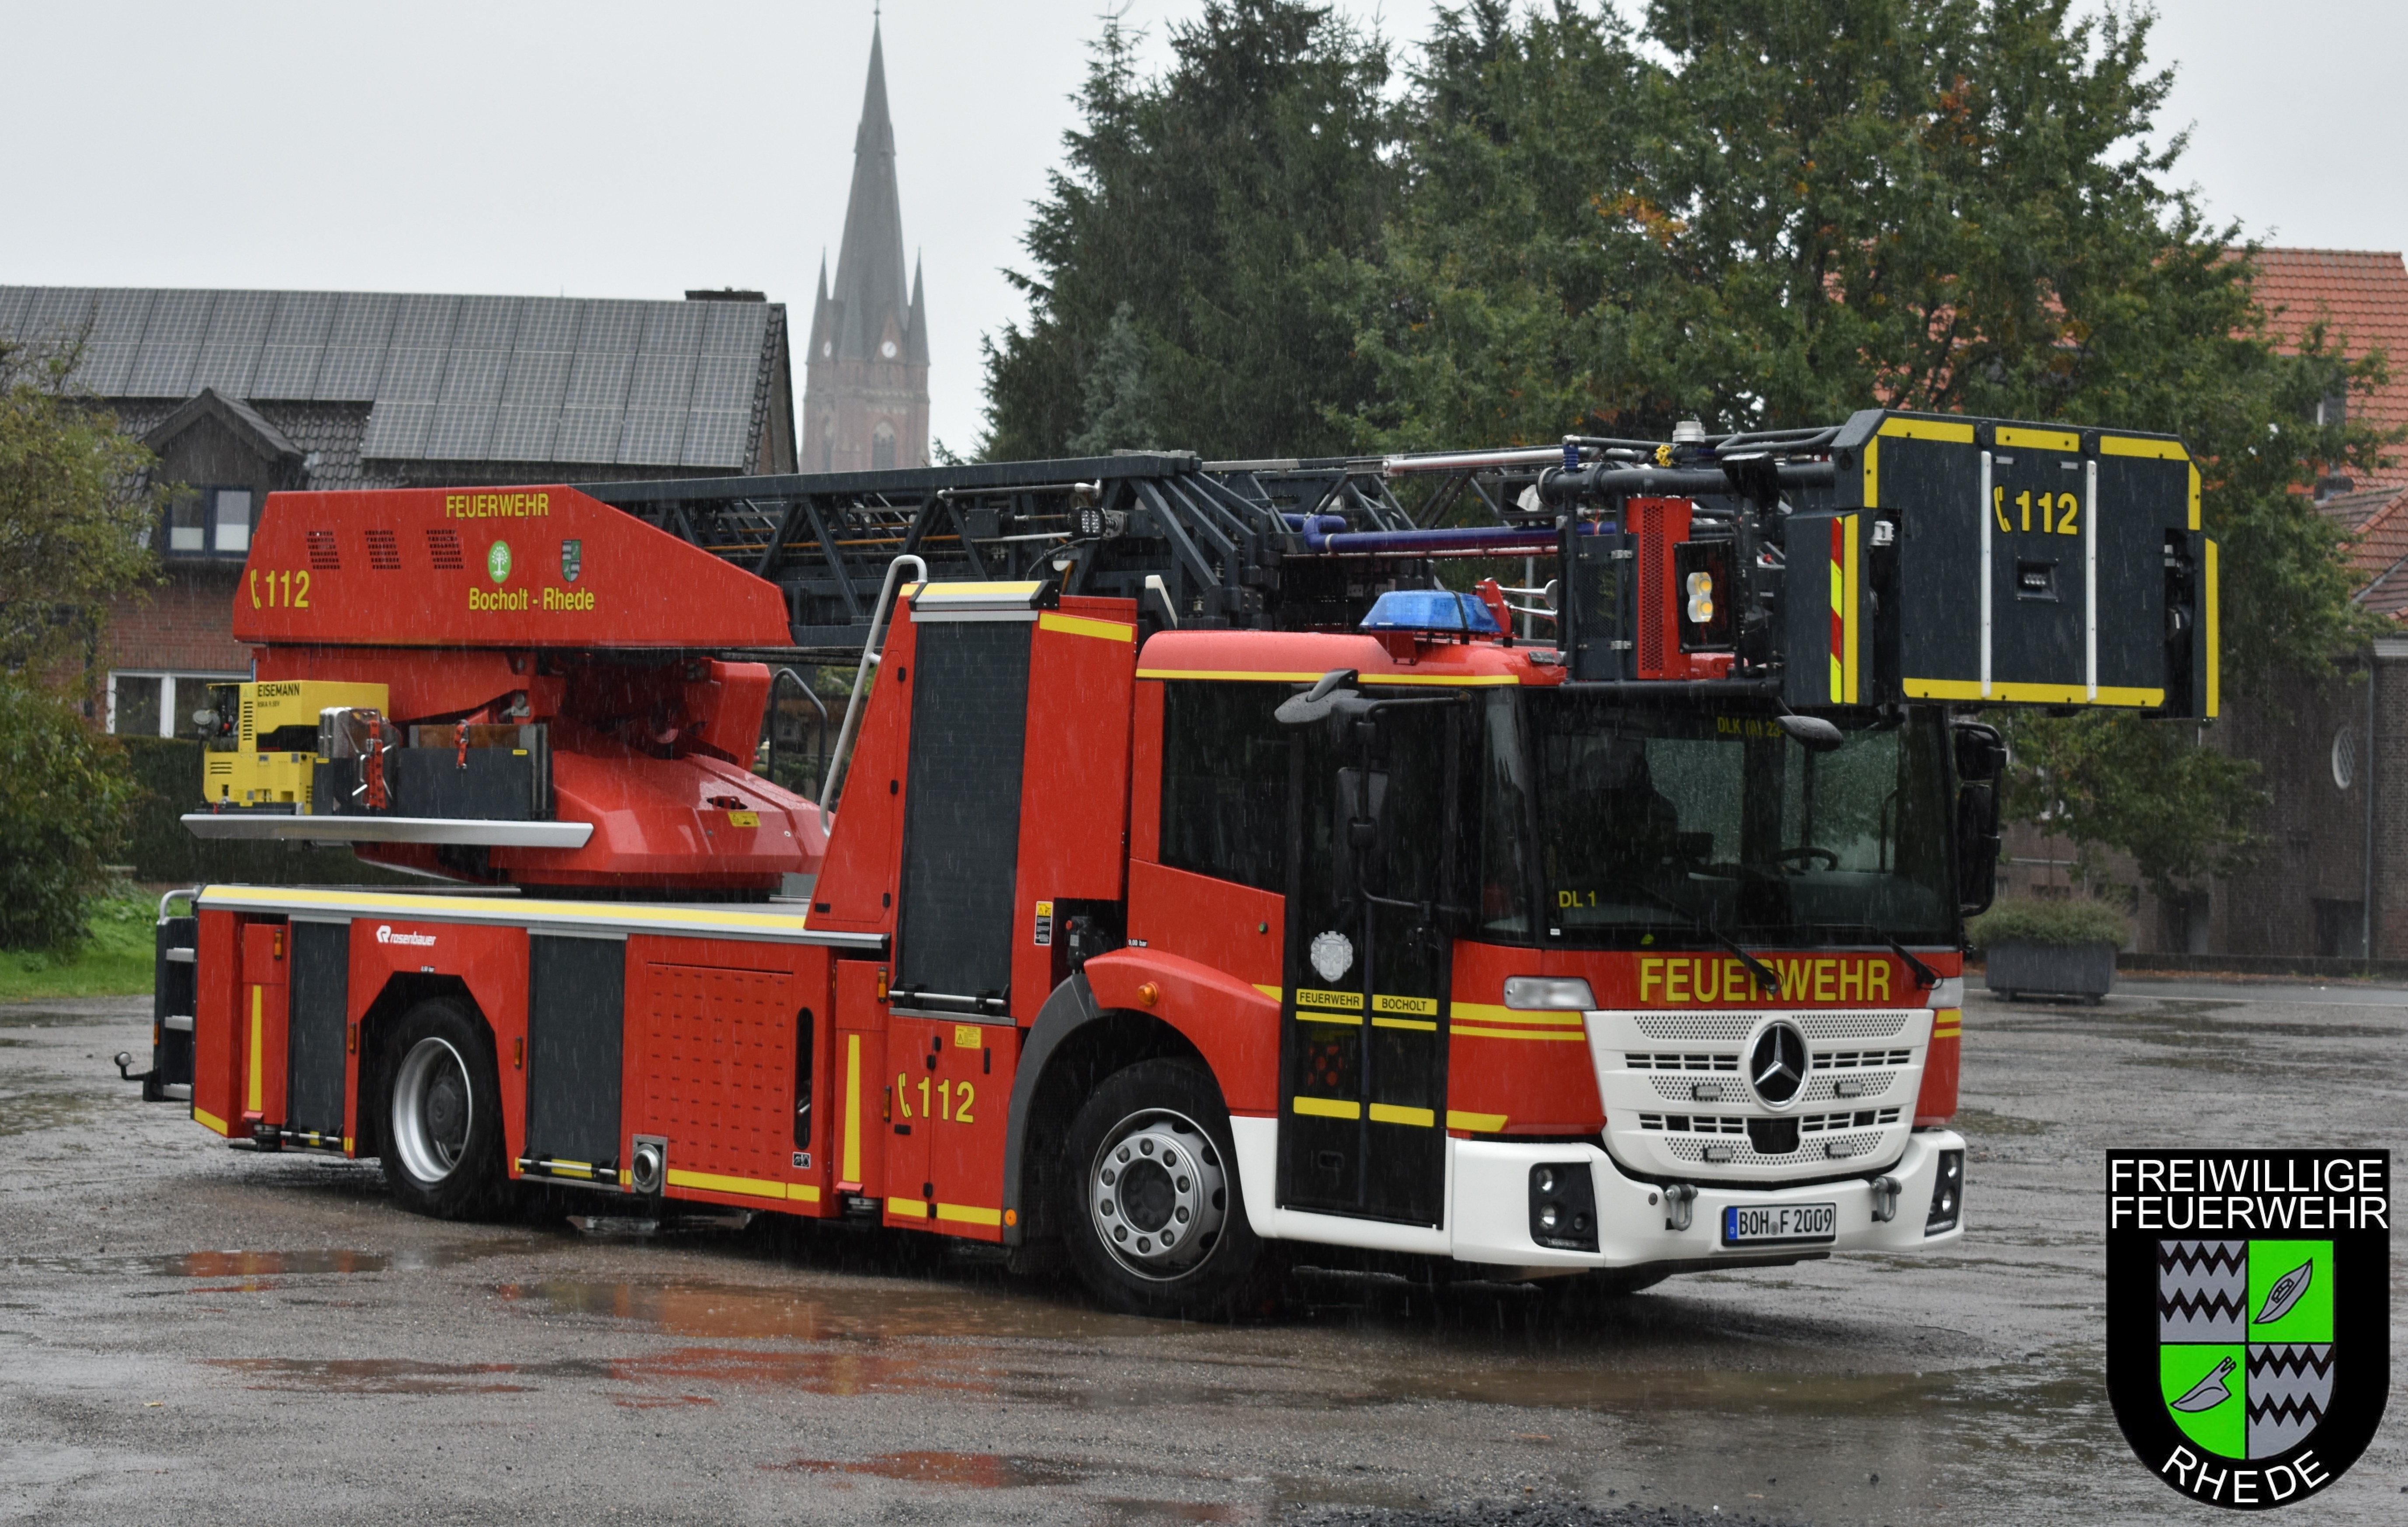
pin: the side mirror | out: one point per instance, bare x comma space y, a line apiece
1980, 752
1977, 846
1329, 693
1812, 732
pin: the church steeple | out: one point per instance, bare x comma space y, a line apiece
866, 400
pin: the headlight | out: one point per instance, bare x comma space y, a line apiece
1538, 993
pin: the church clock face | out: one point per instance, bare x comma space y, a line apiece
887, 350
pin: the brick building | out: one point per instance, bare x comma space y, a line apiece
242, 394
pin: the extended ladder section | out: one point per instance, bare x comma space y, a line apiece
1895, 557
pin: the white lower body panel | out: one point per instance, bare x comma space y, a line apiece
1488, 1209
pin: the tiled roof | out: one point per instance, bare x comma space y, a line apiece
451, 379
2378, 520
2361, 295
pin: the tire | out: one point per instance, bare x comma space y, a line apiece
443, 1114
1149, 1153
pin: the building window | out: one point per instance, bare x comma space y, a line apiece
160, 705
133, 704
882, 448
213, 521
2345, 757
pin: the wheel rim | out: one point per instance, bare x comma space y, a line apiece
1157, 1195
432, 1109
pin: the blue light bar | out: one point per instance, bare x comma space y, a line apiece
1431, 609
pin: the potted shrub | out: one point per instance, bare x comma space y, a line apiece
2050, 947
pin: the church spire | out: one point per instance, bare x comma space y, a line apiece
870, 281
865, 399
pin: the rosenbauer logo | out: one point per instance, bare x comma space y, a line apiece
2248, 1315
386, 935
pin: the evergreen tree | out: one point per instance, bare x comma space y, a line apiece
1215, 206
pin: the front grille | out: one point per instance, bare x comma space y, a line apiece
1693, 1123
1734, 1026
1739, 1152
1677, 1103
1841, 1060
1643, 1060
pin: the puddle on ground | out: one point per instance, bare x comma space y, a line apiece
839, 1373
858, 1310
967, 1471
269, 1264
1977, 1122
372, 1376
22, 1018
22, 1113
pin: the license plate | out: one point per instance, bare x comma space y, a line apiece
1753, 1224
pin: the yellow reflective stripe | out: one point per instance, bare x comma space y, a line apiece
1427, 1025
1265, 675
2032, 694
2215, 644
257, 1028
1328, 1107
1306, 1015
1480, 1123
803, 1192
1461, 1032
1489, 1012
1426, 1006
209, 1121
1274, 677
2124, 445
712, 1182
1274, 993
2015, 438
2193, 496
1390, 1113
1928, 429
949, 590
1079, 625
1307, 996
1849, 625
852, 1107
969, 1214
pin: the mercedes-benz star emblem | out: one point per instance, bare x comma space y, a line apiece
1776, 1063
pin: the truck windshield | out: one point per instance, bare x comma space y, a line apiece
1652, 820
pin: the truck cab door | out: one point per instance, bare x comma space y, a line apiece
1372, 870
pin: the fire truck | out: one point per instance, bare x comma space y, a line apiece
1206, 865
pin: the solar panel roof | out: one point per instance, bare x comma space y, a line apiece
570, 380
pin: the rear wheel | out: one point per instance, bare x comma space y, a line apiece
443, 1116
1154, 1219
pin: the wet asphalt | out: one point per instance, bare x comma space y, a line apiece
192, 1333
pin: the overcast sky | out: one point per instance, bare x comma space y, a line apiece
623, 150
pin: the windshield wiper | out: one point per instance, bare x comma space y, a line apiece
1924, 974
1765, 978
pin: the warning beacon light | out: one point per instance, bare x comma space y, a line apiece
1433, 610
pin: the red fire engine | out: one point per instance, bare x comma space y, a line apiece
1634, 951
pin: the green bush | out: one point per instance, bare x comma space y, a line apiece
2035, 920
64, 791
161, 849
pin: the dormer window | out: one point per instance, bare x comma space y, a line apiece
213, 521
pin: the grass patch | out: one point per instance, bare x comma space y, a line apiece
115, 962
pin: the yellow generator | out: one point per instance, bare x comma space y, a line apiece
261, 740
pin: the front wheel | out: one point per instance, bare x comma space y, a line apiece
1155, 1223
443, 1115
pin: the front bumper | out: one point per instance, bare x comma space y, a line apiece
1492, 1219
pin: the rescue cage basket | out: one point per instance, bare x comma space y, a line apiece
1921, 557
